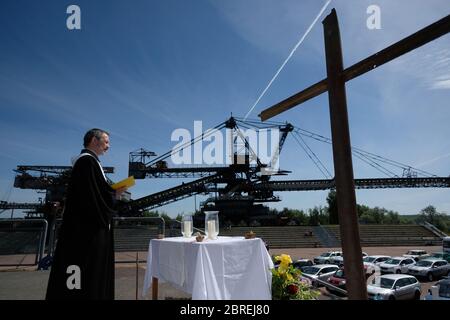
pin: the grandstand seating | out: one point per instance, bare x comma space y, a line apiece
391, 235
137, 238
280, 237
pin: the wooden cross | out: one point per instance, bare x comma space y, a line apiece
342, 158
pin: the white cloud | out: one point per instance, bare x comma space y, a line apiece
441, 84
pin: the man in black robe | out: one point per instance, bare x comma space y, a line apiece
83, 265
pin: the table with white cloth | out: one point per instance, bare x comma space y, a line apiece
228, 268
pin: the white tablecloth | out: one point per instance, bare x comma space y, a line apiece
224, 269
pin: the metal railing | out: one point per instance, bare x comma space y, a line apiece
434, 229
161, 231
40, 248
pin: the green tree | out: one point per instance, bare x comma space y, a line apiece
148, 213
332, 207
431, 215
392, 218
378, 215
166, 217
318, 215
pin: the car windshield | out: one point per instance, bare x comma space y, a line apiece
310, 270
424, 263
299, 264
444, 290
437, 255
392, 261
385, 283
368, 259
326, 254
339, 274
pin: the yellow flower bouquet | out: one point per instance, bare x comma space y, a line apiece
287, 283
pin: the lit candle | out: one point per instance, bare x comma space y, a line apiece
211, 229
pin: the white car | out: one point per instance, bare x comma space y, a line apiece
372, 262
397, 265
326, 257
416, 254
339, 260
394, 287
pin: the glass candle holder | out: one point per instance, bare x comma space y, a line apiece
186, 225
212, 224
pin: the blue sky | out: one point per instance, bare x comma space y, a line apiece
141, 69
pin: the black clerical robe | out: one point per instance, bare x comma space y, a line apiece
86, 236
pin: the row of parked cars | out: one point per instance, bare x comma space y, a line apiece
398, 279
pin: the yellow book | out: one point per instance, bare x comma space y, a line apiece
128, 182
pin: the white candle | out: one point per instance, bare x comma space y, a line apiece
187, 228
211, 229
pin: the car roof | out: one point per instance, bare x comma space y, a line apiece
325, 266
401, 258
396, 276
433, 260
379, 256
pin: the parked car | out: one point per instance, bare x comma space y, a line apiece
339, 260
394, 287
325, 258
302, 263
396, 265
440, 291
297, 263
319, 271
372, 262
337, 280
430, 268
416, 254
441, 255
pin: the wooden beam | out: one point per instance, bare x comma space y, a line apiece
342, 158
414, 41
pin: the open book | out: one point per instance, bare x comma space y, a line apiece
128, 182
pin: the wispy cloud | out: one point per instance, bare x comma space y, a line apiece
427, 162
441, 84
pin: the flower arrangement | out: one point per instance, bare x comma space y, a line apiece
287, 283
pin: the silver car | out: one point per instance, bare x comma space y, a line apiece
430, 268
319, 271
394, 287
397, 265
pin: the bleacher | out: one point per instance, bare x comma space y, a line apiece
279, 237
391, 235
133, 238
19, 242
137, 238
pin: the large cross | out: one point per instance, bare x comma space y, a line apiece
343, 167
